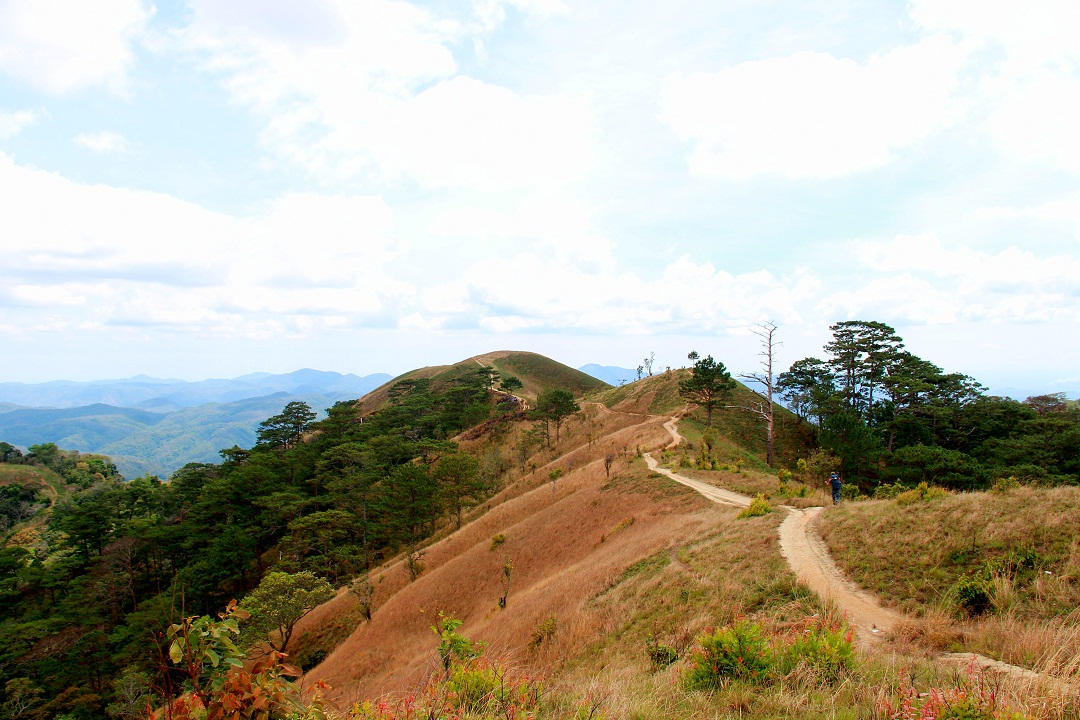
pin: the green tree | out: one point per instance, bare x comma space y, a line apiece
510, 383
808, 388
555, 406
857, 445
48, 454
409, 503
285, 430
709, 385
458, 476
280, 601
9, 453
861, 354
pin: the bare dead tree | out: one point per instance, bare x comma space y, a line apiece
765, 406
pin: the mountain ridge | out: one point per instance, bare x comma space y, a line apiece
131, 392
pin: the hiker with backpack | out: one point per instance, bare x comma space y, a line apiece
835, 484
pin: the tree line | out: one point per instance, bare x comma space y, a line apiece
116, 563
887, 415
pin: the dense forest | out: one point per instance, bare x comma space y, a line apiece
887, 416
84, 599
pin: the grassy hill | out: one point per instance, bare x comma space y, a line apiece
997, 572
535, 372
615, 579
740, 434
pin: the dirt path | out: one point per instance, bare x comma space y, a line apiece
805, 551
803, 548
809, 558
718, 495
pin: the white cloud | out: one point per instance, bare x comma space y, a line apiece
12, 123
1037, 120
812, 115
137, 258
1064, 210
1033, 33
1032, 83
101, 142
381, 95
64, 45
942, 285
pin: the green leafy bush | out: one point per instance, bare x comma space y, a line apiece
973, 593
739, 651
758, 506
660, 655
920, 493
1005, 484
885, 491
826, 649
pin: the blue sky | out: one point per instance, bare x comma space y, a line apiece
205, 188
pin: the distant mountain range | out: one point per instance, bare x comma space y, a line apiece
152, 425
610, 374
161, 395
155, 425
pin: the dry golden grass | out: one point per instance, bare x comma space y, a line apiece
914, 554
1048, 646
601, 564
566, 540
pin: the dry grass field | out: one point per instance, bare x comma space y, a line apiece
1019, 548
615, 580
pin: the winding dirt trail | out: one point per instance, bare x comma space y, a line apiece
809, 558
805, 551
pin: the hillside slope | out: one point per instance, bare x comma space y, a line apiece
535, 372
606, 570
566, 540
572, 535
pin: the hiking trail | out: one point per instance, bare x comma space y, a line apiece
809, 558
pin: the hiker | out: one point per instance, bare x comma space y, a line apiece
834, 483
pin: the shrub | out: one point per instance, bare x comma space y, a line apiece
364, 592
660, 655
738, 651
496, 541
849, 491
758, 506
919, 493
1005, 484
307, 661
827, 649
889, 492
973, 593
976, 593
543, 631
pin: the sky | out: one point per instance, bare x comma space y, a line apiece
207, 188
